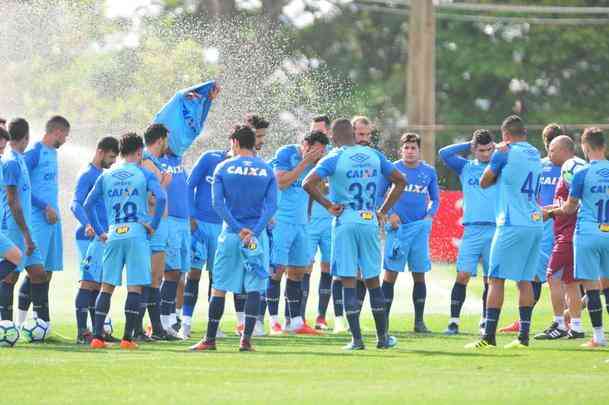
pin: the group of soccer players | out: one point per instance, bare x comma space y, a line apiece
249, 222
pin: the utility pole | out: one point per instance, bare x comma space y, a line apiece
421, 94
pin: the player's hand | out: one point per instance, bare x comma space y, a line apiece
312, 155
394, 221
193, 95
336, 209
29, 245
103, 237
545, 212
502, 146
246, 235
213, 94
382, 218
89, 231
51, 215
165, 179
193, 225
149, 229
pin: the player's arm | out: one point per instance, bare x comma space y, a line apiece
83, 186
95, 195
492, 171
285, 176
576, 193
434, 195
12, 172
160, 198
398, 183
197, 174
219, 205
451, 156
269, 207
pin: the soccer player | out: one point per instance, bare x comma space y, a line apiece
478, 218
409, 227
547, 186
560, 265
245, 196
17, 222
124, 192
155, 139
516, 243
90, 248
354, 172
10, 253
41, 161
591, 240
290, 237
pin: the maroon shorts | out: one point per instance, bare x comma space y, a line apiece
561, 263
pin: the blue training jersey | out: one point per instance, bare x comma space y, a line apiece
293, 200
16, 174
41, 161
421, 197
478, 203
177, 190
84, 184
245, 193
518, 173
354, 173
550, 174
199, 186
124, 191
591, 186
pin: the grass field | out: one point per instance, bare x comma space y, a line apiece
422, 369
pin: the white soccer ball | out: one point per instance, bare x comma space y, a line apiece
9, 333
35, 330
108, 329
570, 167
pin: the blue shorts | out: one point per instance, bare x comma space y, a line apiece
356, 246
15, 236
591, 252
408, 244
229, 272
91, 260
178, 245
49, 244
204, 251
158, 242
5, 244
130, 253
547, 244
475, 247
320, 237
290, 245
515, 252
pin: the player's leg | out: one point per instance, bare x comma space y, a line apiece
306, 286
39, 289
298, 261
419, 263
394, 261
324, 292
605, 291
558, 328
7, 289
102, 308
176, 316
90, 265
457, 298
191, 295
157, 261
184, 266
273, 293
24, 299
52, 255
239, 302
8, 275
574, 304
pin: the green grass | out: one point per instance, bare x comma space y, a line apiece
421, 369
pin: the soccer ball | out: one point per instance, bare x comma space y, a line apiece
108, 329
35, 330
9, 334
570, 167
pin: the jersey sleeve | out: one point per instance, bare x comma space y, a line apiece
577, 185
198, 172
282, 159
153, 185
83, 186
451, 156
32, 157
12, 173
93, 197
218, 203
434, 194
269, 207
386, 166
498, 161
326, 166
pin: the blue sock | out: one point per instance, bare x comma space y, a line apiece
377, 304
252, 306
490, 325
272, 296
82, 308
388, 289
92, 300
216, 309
525, 323
154, 309
102, 306
324, 292
239, 300
6, 268
337, 297
25, 295
360, 290
419, 294
38, 294
306, 283
169, 290
293, 294
536, 291
6, 300
191, 295
595, 308
132, 314
457, 298
351, 312
262, 307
